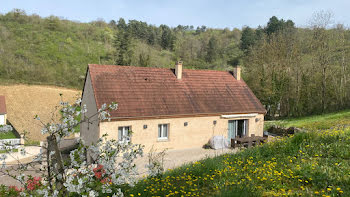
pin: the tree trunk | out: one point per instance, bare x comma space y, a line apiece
56, 159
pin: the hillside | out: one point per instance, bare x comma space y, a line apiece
293, 71
25, 101
54, 51
51, 51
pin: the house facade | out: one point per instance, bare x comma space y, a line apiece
3, 112
170, 108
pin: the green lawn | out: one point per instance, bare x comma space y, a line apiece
324, 121
7, 135
306, 164
29, 142
7, 151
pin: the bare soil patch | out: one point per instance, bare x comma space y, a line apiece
23, 102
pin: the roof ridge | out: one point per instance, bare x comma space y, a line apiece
159, 68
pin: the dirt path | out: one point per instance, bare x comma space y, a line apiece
23, 102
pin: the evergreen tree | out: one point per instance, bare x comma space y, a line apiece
152, 37
212, 50
248, 39
166, 38
122, 44
275, 25
112, 24
121, 25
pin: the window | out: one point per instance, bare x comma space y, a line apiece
124, 134
163, 131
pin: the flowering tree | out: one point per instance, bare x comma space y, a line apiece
155, 164
5, 128
111, 169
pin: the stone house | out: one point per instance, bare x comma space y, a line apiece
3, 112
170, 108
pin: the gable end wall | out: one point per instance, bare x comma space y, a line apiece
89, 132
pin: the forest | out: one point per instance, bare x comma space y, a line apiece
294, 71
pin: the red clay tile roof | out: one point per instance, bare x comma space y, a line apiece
145, 91
2, 105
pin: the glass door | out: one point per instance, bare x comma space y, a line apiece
237, 128
232, 130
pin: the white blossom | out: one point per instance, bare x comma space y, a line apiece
116, 158
5, 128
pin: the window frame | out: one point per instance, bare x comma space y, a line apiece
124, 140
161, 131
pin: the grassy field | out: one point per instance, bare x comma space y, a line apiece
306, 164
324, 121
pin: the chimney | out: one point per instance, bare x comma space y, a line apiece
178, 69
237, 73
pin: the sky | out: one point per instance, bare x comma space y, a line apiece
211, 13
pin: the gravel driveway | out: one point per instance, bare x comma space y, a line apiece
176, 158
